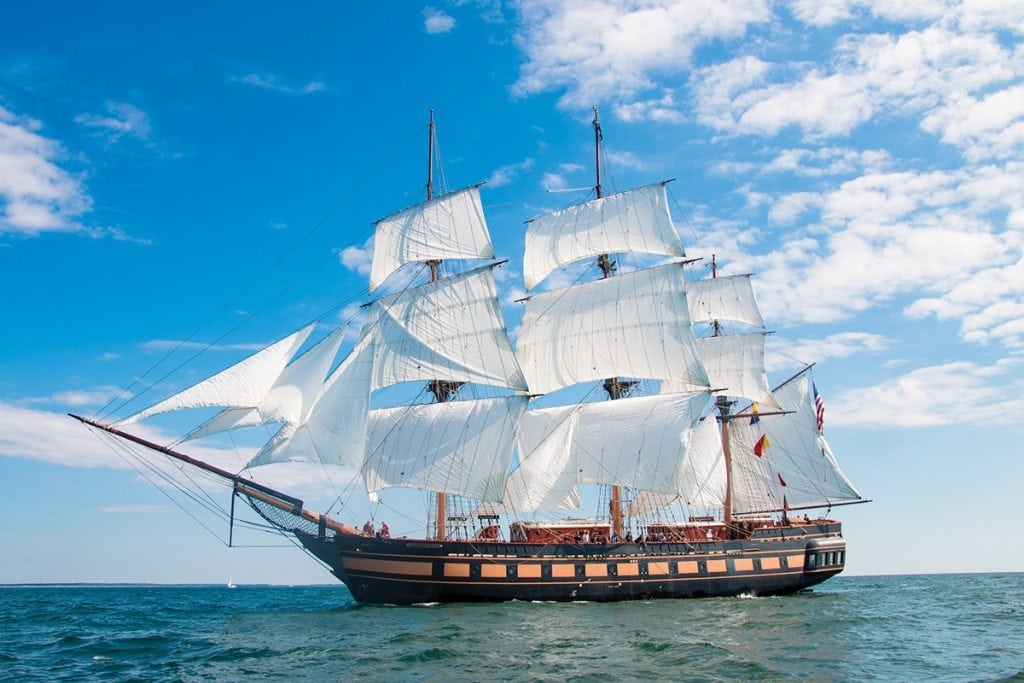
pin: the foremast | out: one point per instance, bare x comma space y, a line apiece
614, 386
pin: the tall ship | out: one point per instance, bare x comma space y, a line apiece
622, 443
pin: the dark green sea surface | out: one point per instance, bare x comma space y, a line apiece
966, 627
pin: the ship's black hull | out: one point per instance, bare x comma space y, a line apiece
405, 571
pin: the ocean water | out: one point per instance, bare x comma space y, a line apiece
966, 627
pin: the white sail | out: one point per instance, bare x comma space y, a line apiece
290, 398
546, 476
635, 442
460, 447
734, 363
723, 298
244, 384
797, 454
452, 226
451, 330
633, 221
702, 477
334, 429
633, 325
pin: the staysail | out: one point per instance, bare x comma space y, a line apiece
796, 467
242, 385
290, 398
334, 430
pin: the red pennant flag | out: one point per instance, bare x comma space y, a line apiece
781, 480
761, 446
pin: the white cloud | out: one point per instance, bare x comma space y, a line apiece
436, 21
552, 182
828, 161
273, 83
36, 194
509, 173
790, 206
952, 393
827, 12
784, 354
931, 72
122, 119
610, 50
77, 398
950, 244
358, 259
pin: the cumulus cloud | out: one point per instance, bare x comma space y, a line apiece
436, 21
612, 50
36, 194
950, 78
960, 392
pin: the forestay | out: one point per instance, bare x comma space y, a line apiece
242, 385
451, 226
460, 447
633, 325
633, 221
450, 330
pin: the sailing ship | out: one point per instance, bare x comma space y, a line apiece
645, 390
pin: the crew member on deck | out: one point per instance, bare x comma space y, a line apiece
368, 528
385, 532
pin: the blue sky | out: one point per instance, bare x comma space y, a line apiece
210, 173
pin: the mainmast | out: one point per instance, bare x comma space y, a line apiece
615, 387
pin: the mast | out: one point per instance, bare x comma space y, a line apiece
723, 404
442, 390
615, 387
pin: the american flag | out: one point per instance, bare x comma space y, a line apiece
819, 409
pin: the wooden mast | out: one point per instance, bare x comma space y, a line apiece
724, 404
615, 387
442, 389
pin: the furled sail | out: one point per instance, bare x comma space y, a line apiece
334, 429
451, 226
797, 463
244, 384
290, 398
702, 477
723, 298
451, 330
633, 325
460, 447
632, 221
734, 363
